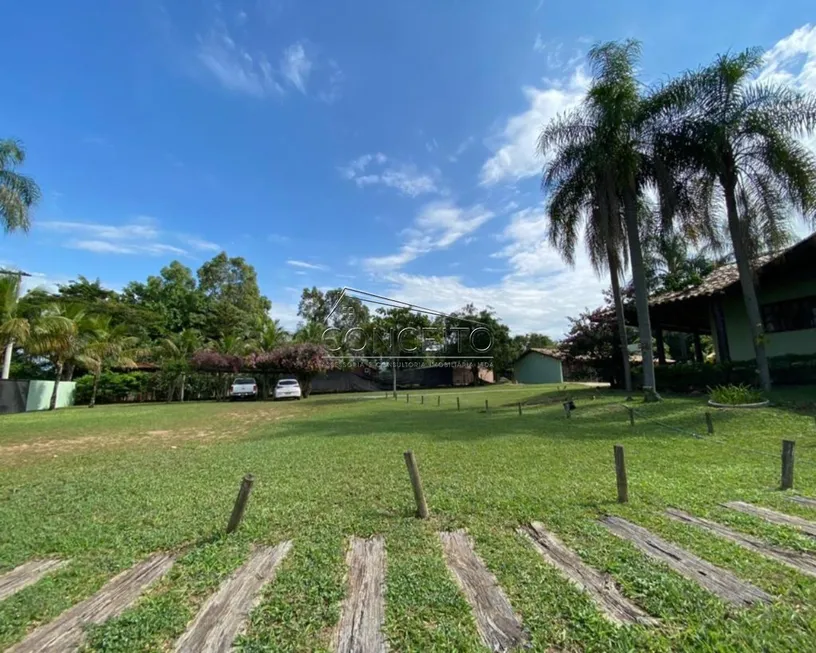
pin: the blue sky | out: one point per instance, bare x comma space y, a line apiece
387, 146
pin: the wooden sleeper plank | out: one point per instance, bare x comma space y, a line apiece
223, 616
361, 619
498, 625
801, 562
600, 587
805, 501
718, 581
26, 574
807, 527
66, 632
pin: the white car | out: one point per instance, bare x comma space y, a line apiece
287, 389
243, 388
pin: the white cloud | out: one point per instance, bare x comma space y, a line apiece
378, 169
203, 245
107, 247
540, 45
535, 292
792, 62
516, 156
286, 313
305, 265
140, 236
234, 67
296, 66
438, 226
463, 147
331, 90
142, 227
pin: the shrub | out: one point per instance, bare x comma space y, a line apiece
113, 387
735, 394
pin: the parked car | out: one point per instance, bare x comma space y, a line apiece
287, 389
244, 388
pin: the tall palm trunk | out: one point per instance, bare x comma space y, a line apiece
746, 277
621, 319
7, 359
630, 207
57, 377
92, 402
183, 383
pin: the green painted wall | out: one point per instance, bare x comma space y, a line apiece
778, 344
538, 368
39, 394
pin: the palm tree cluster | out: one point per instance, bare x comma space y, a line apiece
713, 156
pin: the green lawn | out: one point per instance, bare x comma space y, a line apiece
108, 486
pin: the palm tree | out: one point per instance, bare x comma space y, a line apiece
175, 353
13, 328
59, 333
272, 335
575, 179
18, 193
106, 346
310, 332
611, 126
739, 137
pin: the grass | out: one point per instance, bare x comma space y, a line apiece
108, 486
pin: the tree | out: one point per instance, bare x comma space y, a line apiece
478, 337
738, 136
175, 353
59, 334
584, 191
13, 326
231, 287
106, 346
18, 193
171, 299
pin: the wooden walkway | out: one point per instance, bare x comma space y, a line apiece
807, 527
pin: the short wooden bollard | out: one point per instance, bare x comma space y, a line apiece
416, 483
487, 408
631, 416
457, 404
787, 464
620, 473
519, 408
422, 400
438, 400
407, 397
240, 503
709, 423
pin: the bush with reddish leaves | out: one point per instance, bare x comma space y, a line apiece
303, 361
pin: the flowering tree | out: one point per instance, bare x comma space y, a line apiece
303, 361
207, 360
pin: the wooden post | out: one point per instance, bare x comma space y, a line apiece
698, 348
620, 473
422, 400
438, 400
240, 503
709, 423
487, 408
519, 408
416, 483
457, 404
661, 345
567, 409
407, 397
631, 415
787, 464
